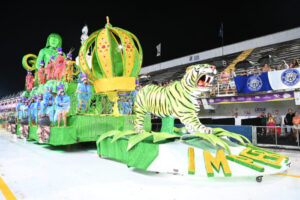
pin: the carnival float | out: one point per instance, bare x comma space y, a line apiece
68, 102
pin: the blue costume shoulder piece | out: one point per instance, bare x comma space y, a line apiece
48, 105
84, 92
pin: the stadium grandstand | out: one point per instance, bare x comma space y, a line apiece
259, 62
246, 55
8, 103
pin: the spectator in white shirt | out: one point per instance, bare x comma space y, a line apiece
282, 65
237, 120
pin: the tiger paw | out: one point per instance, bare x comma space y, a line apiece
139, 129
206, 130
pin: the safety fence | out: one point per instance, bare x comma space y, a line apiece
278, 136
274, 137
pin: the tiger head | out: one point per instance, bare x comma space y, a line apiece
199, 77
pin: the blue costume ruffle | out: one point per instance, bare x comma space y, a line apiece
32, 108
18, 110
62, 104
83, 93
48, 104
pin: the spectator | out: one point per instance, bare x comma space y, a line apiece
245, 72
231, 80
296, 123
295, 63
263, 122
278, 120
282, 65
288, 120
214, 90
255, 71
271, 124
237, 120
266, 68
225, 81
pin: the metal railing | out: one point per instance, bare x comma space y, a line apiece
277, 136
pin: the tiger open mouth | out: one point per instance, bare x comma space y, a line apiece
205, 80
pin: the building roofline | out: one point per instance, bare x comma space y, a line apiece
275, 38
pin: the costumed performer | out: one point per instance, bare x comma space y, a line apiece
29, 81
62, 105
24, 129
43, 123
49, 71
32, 108
25, 110
12, 124
48, 103
59, 65
83, 93
18, 108
69, 68
39, 107
129, 106
41, 73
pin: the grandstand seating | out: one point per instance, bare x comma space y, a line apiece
282, 51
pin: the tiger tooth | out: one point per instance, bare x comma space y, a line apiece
206, 77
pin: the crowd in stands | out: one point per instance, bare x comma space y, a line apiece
274, 124
226, 79
224, 82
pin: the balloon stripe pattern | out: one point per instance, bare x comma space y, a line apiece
112, 58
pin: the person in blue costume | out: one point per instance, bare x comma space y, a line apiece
48, 104
25, 111
134, 93
79, 76
32, 108
18, 108
39, 107
24, 130
62, 105
120, 105
83, 93
137, 88
125, 106
129, 108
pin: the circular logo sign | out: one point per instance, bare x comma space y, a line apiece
290, 77
254, 83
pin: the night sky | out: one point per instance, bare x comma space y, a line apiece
182, 29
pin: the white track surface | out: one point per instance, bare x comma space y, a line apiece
32, 171
173, 157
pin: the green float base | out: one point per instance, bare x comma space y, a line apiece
86, 128
58, 136
140, 156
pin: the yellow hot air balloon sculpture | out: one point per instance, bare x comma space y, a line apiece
115, 61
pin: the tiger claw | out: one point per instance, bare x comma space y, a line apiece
139, 129
206, 130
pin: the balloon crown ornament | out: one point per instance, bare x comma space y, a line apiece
115, 61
